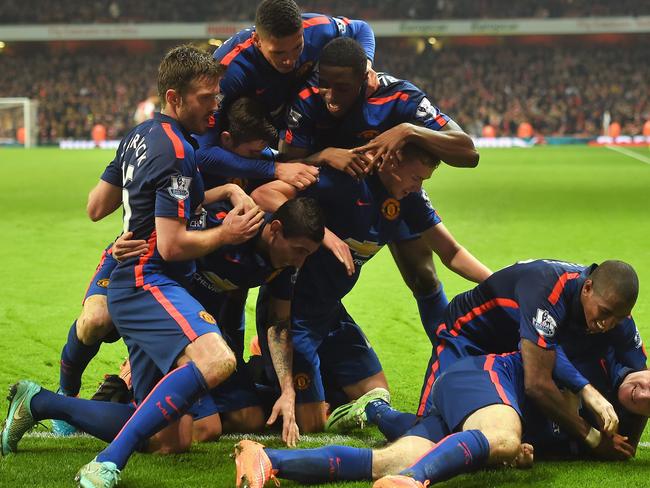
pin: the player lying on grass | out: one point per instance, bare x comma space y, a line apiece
348, 120
480, 409
245, 132
271, 257
269, 61
538, 305
364, 215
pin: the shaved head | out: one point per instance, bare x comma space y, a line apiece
618, 280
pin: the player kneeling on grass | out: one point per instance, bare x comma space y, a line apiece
272, 256
479, 404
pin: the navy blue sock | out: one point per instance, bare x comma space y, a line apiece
432, 311
458, 453
324, 464
99, 419
169, 399
392, 423
75, 356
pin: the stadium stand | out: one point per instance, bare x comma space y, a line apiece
559, 90
102, 11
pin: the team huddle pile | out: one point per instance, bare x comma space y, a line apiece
540, 355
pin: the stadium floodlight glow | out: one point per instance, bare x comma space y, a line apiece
215, 42
2, 45
432, 41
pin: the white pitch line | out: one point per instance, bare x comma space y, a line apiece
627, 152
644, 444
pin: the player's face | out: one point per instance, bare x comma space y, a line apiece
407, 177
198, 104
602, 312
291, 251
339, 87
281, 52
634, 393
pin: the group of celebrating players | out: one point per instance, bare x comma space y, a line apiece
542, 353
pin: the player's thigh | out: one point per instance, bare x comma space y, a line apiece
311, 417
399, 455
501, 425
362, 387
247, 419
207, 429
175, 438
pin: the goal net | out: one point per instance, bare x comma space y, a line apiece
18, 122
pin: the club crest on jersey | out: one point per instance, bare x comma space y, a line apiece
544, 323
180, 187
103, 283
207, 317
368, 134
390, 208
301, 381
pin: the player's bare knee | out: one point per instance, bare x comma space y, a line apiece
310, 417
207, 429
94, 324
245, 420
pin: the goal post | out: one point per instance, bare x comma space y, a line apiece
19, 121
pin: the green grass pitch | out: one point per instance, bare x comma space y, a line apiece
574, 203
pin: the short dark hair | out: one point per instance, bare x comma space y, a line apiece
278, 18
246, 120
181, 66
344, 52
301, 217
616, 277
413, 151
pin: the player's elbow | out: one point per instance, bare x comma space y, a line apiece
170, 251
538, 388
93, 212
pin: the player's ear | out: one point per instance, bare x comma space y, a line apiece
172, 97
276, 228
256, 40
587, 287
226, 140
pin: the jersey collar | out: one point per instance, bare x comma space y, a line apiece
160, 117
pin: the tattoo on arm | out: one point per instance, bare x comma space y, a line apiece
281, 348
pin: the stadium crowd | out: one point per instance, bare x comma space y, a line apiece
104, 11
558, 90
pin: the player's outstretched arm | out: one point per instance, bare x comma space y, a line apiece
540, 387
352, 161
281, 351
176, 243
273, 194
231, 192
103, 200
453, 255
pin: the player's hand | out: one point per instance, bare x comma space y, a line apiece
299, 175
240, 226
387, 146
351, 161
340, 250
239, 197
286, 406
614, 448
125, 248
601, 408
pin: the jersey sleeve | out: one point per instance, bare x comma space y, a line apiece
566, 374
628, 345
218, 161
360, 31
301, 127
419, 110
540, 312
174, 181
333, 189
418, 213
113, 172
281, 285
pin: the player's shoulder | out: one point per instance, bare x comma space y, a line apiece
392, 90
236, 49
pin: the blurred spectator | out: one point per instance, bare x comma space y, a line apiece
557, 90
102, 11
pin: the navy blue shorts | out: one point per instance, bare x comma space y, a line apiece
330, 342
99, 282
471, 384
237, 392
157, 322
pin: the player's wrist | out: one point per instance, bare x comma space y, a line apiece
593, 437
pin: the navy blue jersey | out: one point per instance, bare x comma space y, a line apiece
538, 301
310, 125
159, 179
249, 73
366, 217
113, 172
239, 266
